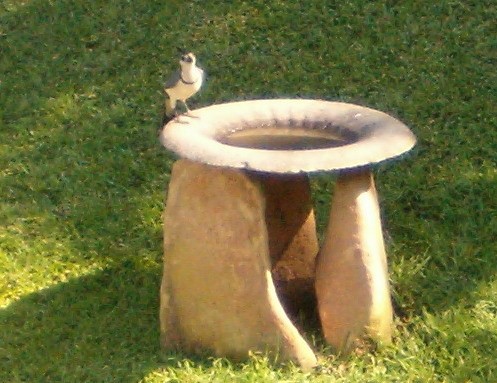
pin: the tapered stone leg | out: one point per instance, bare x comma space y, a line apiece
351, 277
217, 290
293, 243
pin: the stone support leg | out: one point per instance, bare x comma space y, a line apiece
351, 277
217, 291
293, 243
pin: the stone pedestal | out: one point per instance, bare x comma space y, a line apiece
239, 259
351, 276
292, 238
218, 292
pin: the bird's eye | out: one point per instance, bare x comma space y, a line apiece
186, 59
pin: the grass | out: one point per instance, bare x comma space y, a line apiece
82, 175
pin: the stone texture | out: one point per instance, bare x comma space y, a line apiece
293, 243
217, 291
351, 276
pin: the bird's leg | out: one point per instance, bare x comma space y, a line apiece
170, 112
187, 108
188, 111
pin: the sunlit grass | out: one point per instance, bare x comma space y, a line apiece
82, 175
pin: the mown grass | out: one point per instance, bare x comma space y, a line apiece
83, 175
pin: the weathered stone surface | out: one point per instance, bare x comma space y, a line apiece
217, 291
368, 136
351, 276
293, 243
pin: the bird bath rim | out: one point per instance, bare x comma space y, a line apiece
368, 136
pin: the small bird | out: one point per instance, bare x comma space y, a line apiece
183, 84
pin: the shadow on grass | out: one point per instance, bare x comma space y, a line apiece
101, 327
446, 231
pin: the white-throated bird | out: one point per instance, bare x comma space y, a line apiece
183, 84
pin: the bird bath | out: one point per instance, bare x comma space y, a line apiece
241, 256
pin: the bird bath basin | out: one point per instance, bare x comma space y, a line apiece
241, 256
284, 138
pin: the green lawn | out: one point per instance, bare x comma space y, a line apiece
82, 175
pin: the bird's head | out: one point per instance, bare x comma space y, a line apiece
187, 59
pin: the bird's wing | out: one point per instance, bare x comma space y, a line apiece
173, 80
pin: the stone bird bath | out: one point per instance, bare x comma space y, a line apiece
241, 255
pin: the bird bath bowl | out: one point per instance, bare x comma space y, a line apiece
284, 138
241, 256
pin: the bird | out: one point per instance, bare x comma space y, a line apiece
182, 84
